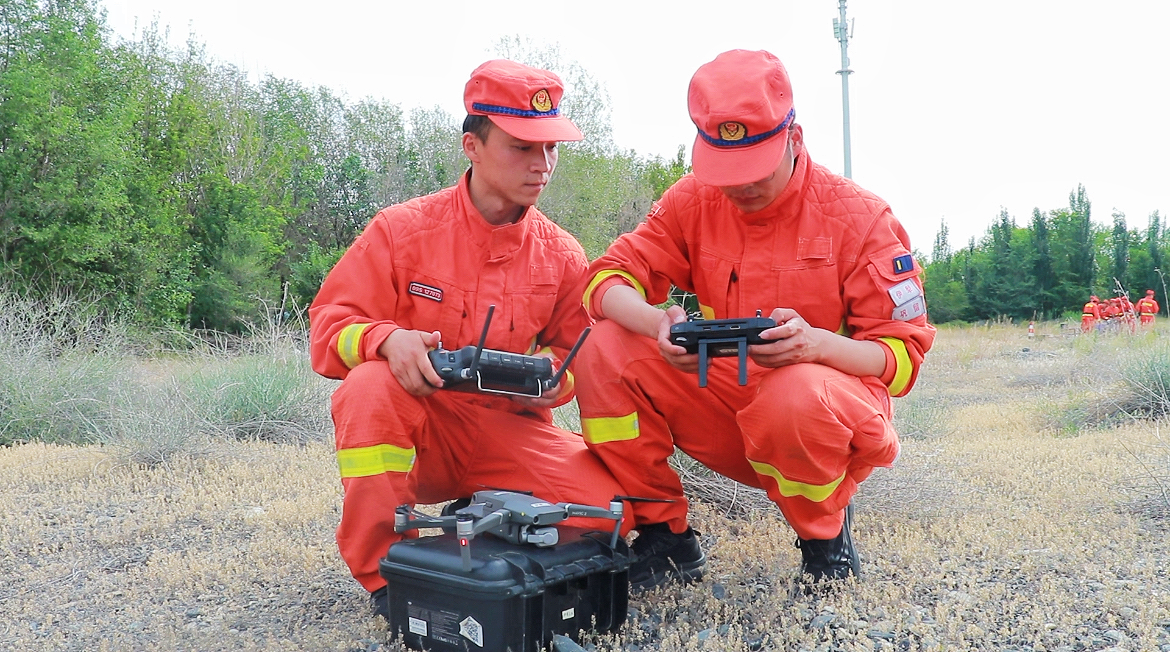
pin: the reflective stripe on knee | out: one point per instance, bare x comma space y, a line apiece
789, 488
607, 429
372, 460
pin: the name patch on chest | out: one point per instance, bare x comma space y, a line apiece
420, 290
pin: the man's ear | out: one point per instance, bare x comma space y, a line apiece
797, 136
471, 146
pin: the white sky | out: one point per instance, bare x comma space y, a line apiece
957, 108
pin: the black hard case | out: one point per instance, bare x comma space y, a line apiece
515, 598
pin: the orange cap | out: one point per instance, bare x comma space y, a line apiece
521, 100
742, 104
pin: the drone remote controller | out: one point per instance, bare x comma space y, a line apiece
721, 338
498, 372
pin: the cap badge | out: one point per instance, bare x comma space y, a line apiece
541, 101
732, 131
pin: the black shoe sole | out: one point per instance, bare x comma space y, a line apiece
684, 573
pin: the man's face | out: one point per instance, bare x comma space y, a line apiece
758, 195
512, 170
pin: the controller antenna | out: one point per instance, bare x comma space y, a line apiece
569, 358
479, 349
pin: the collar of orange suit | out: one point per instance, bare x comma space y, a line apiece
787, 203
501, 241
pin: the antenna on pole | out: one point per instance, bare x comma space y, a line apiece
842, 29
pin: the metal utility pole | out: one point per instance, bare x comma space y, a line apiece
841, 29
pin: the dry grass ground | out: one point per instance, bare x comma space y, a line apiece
1005, 525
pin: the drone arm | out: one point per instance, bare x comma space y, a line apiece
491, 521
406, 519
589, 511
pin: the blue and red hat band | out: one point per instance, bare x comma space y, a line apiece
750, 140
519, 113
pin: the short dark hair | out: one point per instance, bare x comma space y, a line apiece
480, 125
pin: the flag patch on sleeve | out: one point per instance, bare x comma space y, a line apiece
903, 264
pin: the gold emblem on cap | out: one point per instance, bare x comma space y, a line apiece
541, 101
732, 131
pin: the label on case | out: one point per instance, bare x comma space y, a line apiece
568, 613
417, 626
472, 630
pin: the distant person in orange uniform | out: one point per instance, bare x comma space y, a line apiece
1090, 315
757, 226
425, 272
1127, 316
1147, 308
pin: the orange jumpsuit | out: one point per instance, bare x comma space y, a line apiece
806, 433
1147, 308
433, 263
1090, 315
1127, 313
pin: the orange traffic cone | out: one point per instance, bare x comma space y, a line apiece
1031, 329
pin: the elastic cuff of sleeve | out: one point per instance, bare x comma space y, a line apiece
891, 370
594, 306
373, 338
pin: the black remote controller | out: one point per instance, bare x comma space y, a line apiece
689, 333
476, 369
720, 338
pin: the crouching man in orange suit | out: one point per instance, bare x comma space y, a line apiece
757, 226
425, 272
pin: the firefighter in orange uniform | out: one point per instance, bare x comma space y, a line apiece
1127, 318
757, 226
1090, 315
1147, 308
425, 272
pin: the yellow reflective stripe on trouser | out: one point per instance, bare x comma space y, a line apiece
789, 488
372, 460
349, 344
604, 274
606, 429
902, 360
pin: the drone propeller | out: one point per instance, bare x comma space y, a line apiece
641, 499
513, 491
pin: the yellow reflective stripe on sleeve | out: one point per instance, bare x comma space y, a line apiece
373, 460
708, 311
606, 429
349, 344
902, 359
604, 274
789, 488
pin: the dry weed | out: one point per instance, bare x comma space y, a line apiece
992, 532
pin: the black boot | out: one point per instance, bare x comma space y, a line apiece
661, 556
830, 559
380, 602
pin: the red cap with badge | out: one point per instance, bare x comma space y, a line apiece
521, 100
742, 104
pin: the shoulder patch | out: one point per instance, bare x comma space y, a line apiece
913, 308
903, 264
904, 291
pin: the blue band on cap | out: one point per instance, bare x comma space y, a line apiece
519, 113
750, 140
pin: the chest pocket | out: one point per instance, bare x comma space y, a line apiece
811, 284
432, 304
530, 307
713, 286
